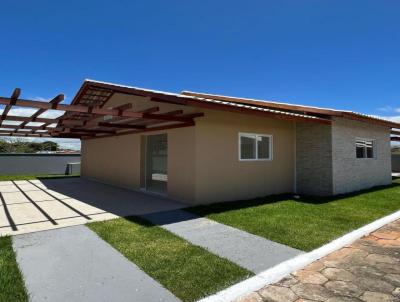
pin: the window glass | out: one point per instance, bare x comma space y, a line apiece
255, 146
247, 146
263, 146
370, 149
364, 148
360, 149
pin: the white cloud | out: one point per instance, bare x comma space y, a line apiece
390, 118
385, 109
41, 99
389, 109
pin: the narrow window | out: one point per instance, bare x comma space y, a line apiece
255, 146
248, 146
365, 148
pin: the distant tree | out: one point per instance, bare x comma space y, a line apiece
50, 146
20, 146
5, 147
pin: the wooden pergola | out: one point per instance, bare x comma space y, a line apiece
87, 118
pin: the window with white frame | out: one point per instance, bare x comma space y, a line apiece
365, 148
255, 146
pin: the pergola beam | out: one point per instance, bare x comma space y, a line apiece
124, 126
58, 99
16, 127
142, 120
16, 118
95, 110
159, 128
88, 120
12, 102
25, 135
125, 120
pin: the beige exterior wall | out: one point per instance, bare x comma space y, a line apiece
113, 160
203, 161
204, 165
222, 177
118, 161
351, 173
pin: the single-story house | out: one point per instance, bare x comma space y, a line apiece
204, 148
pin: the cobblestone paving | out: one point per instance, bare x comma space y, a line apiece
368, 270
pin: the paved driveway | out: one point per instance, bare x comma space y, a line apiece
368, 270
34, 205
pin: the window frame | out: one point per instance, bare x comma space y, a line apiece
365, 140
271, 149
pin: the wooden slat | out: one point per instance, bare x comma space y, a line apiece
16, 118
117, 125
125, 120
166, 127
123, 107
96, 110
112, 120
395, 132
43, 127
83, 130
133, 126
12, 102
128, 90
170, 113
58, 99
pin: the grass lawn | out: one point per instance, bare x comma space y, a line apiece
12, 288
306, 223
188, 271
35, 176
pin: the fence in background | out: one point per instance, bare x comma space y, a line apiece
11, 164
396, 163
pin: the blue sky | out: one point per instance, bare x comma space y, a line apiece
340, 54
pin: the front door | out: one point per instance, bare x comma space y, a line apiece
156, 163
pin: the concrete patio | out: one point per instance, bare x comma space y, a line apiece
37, 205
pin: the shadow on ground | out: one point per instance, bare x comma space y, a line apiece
221, 207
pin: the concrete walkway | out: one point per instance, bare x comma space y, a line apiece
74, 264
247, 250
34, 205
368, 270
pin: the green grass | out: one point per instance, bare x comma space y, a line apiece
12, 288
186, 270
306, 223
35, 176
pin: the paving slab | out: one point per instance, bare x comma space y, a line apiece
74, 264
14, 197
25, 206
252, 252
367, 270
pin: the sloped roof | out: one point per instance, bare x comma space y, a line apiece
295, 108
88, 117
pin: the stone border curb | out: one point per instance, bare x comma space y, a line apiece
285, 268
